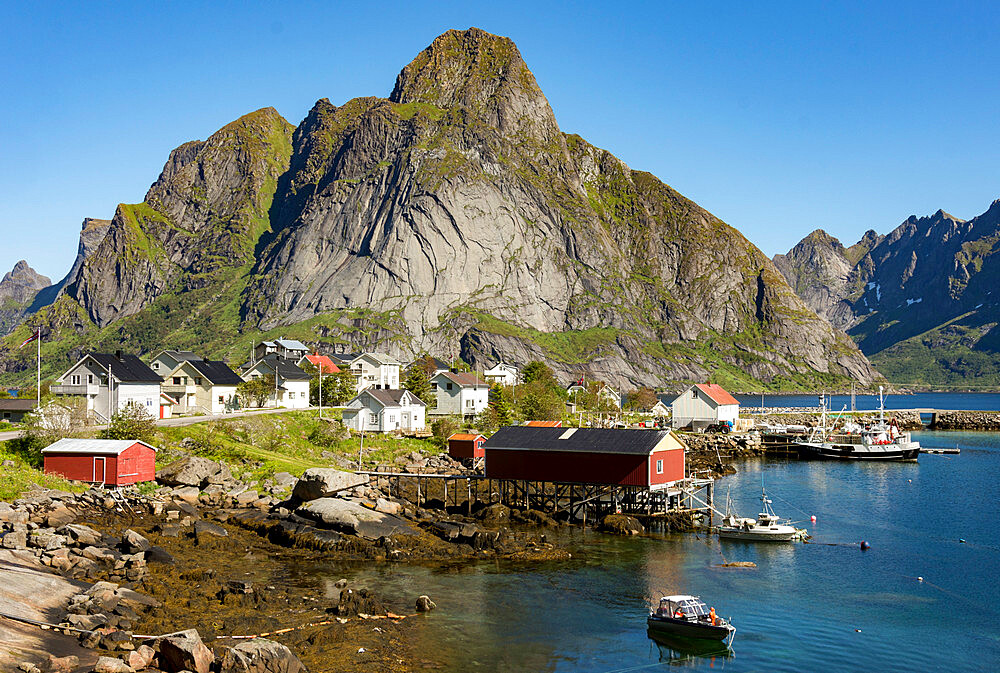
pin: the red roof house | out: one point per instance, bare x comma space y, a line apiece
321, 362
544, 424
702, 405
111, 462
462, 445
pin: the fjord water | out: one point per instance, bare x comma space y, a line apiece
951, 401
828, 606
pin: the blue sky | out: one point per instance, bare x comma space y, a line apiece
780, 118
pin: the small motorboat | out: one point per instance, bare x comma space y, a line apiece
767, 527
688, 617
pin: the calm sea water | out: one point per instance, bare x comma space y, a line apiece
957, 401
826, 606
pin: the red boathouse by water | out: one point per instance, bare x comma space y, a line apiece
646, 458
101, 461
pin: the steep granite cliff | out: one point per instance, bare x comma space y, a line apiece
456, 217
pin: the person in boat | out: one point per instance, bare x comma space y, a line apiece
711, 615
678, 613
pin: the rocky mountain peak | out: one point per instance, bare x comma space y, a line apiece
482, 73
21, 283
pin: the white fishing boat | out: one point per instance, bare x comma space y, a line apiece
767, 527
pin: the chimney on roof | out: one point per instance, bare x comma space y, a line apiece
118, 356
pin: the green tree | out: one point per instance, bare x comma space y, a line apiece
131, 422
418, 384
641, 399
347, 388
443, 428
537, 371
331, 392
256, 390
501, 402
539, 402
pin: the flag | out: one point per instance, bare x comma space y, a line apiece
30, 339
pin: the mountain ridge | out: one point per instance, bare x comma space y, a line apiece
453, 216
919, 300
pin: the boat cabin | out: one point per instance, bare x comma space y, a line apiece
691, 607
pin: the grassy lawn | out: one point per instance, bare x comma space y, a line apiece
15, 480
258, 446
255, 447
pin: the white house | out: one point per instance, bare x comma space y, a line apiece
380, 410
502, 373
291, 383
166, 361
460, 394
611, 396
704, 404
375, 370
205, 386
110, 382
660, 410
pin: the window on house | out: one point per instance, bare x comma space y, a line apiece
374, 418
450, 386
6, 414
222, 400
177, 380
468, 403
291, 396
75, 379
197, 380
90, 378
659, 467
392, 418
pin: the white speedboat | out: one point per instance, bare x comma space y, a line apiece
767, 527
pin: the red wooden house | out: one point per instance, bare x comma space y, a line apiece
461, 445
102, 461
649, 458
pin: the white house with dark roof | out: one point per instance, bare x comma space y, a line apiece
380, 410
502, 373
375, 370
166, 361
291, 383
202, 386
460, 394
110, 382
704, 404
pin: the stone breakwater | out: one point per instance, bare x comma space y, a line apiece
906, 420
967, 420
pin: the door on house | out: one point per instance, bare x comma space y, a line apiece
405, 420
99, 470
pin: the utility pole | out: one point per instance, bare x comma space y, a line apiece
321, 389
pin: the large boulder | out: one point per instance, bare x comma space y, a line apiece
184, 651
351, 517
260, 656
320, 482
194, 471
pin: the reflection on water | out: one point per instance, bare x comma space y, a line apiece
687, 651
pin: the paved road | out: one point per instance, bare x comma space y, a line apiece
180, 421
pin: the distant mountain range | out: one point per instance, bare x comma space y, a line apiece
923, 302
454, 217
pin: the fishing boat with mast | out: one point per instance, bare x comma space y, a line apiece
880, 441
767, 527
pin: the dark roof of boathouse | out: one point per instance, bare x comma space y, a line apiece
577, 440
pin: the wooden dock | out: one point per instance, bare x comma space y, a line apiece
576, 501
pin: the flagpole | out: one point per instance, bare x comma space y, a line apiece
38, 364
